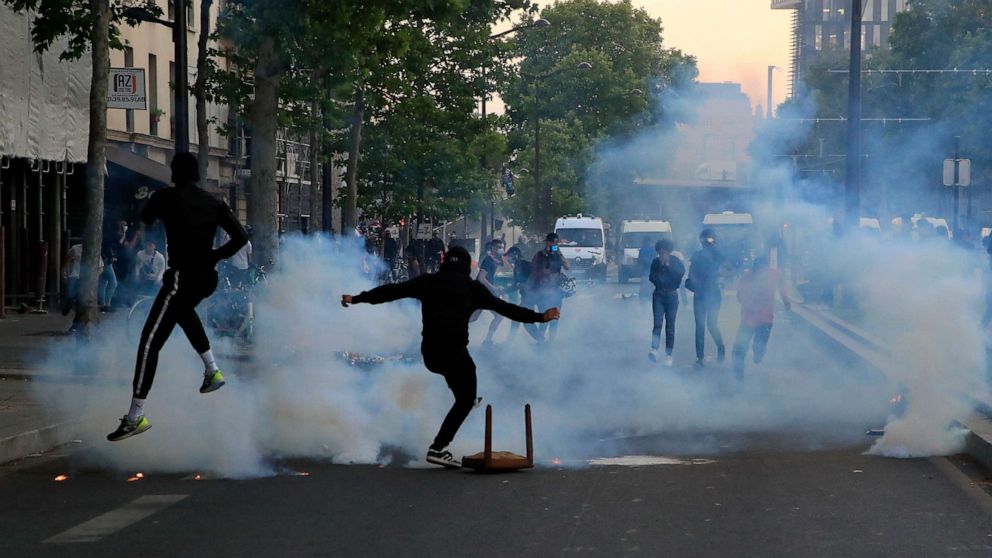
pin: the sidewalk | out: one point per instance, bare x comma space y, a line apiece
25, 426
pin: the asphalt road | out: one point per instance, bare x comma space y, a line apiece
831, 503
764, 489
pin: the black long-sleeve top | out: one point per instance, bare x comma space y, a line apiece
191, 216
448, 301
667, 278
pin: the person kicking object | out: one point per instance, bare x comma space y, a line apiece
448, 300
191, 217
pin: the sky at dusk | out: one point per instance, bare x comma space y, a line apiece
733, 40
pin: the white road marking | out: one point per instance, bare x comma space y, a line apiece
646, 460
113, 521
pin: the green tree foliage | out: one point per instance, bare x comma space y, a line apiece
617, 97
902, 171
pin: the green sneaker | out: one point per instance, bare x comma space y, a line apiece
128, 428
213, 382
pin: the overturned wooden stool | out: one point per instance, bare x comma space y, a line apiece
490, 460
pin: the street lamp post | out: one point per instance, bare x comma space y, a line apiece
544, 194
539, 23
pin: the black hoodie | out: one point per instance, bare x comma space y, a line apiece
448, 300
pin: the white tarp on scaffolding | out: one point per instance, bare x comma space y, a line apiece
44, 102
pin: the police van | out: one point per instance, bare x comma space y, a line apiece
582, 241
633, 234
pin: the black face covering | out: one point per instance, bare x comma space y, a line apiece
457, 260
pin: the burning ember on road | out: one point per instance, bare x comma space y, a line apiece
897, 398
61, 478
136, 477
556, 461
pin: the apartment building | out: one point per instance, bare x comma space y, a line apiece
823, 25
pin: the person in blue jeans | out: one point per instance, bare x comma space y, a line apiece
666, 275
704, 282
107, 285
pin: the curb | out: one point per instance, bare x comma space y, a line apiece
871, 350
36, 441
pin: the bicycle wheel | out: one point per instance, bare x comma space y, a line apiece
137, 316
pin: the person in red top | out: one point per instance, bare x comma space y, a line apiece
756, 293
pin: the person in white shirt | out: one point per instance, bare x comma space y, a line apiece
239, 262
150, 268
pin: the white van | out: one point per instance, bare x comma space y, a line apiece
735, 235
632, 236
582, 241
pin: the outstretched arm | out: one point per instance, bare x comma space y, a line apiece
486, 301
385, 293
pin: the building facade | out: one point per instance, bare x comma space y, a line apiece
824, 25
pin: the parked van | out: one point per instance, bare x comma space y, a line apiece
632, 236
582, 241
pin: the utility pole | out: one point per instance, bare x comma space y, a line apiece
852, 194
768, 107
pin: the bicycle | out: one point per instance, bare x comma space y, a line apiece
229, 312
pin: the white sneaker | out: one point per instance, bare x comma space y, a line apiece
653, 355
443, 458
669, 361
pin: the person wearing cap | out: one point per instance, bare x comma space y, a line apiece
704, 282
545, 273
666, 275
447, 301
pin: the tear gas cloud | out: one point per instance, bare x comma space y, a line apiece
593, 390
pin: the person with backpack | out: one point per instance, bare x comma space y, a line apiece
704, 281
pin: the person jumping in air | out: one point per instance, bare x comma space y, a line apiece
191, 217
448, 299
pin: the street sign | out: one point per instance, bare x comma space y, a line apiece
964, 172
126, 89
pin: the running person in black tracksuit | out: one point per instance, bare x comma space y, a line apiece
191, 217
448, 300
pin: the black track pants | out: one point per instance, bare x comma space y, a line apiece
458, 369
175, 304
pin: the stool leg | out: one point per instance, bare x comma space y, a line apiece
530, 436
488, 456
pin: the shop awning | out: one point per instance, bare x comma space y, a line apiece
137, 164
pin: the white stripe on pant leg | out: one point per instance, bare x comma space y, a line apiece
151, 335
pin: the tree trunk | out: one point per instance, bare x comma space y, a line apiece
316, 211
200, 92
96, 157
349, 215
262, 196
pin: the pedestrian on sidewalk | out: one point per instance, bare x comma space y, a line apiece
756, 293
71, 265
704, 281
191, 217
666, 275
107, 282
447, 301
150, 268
